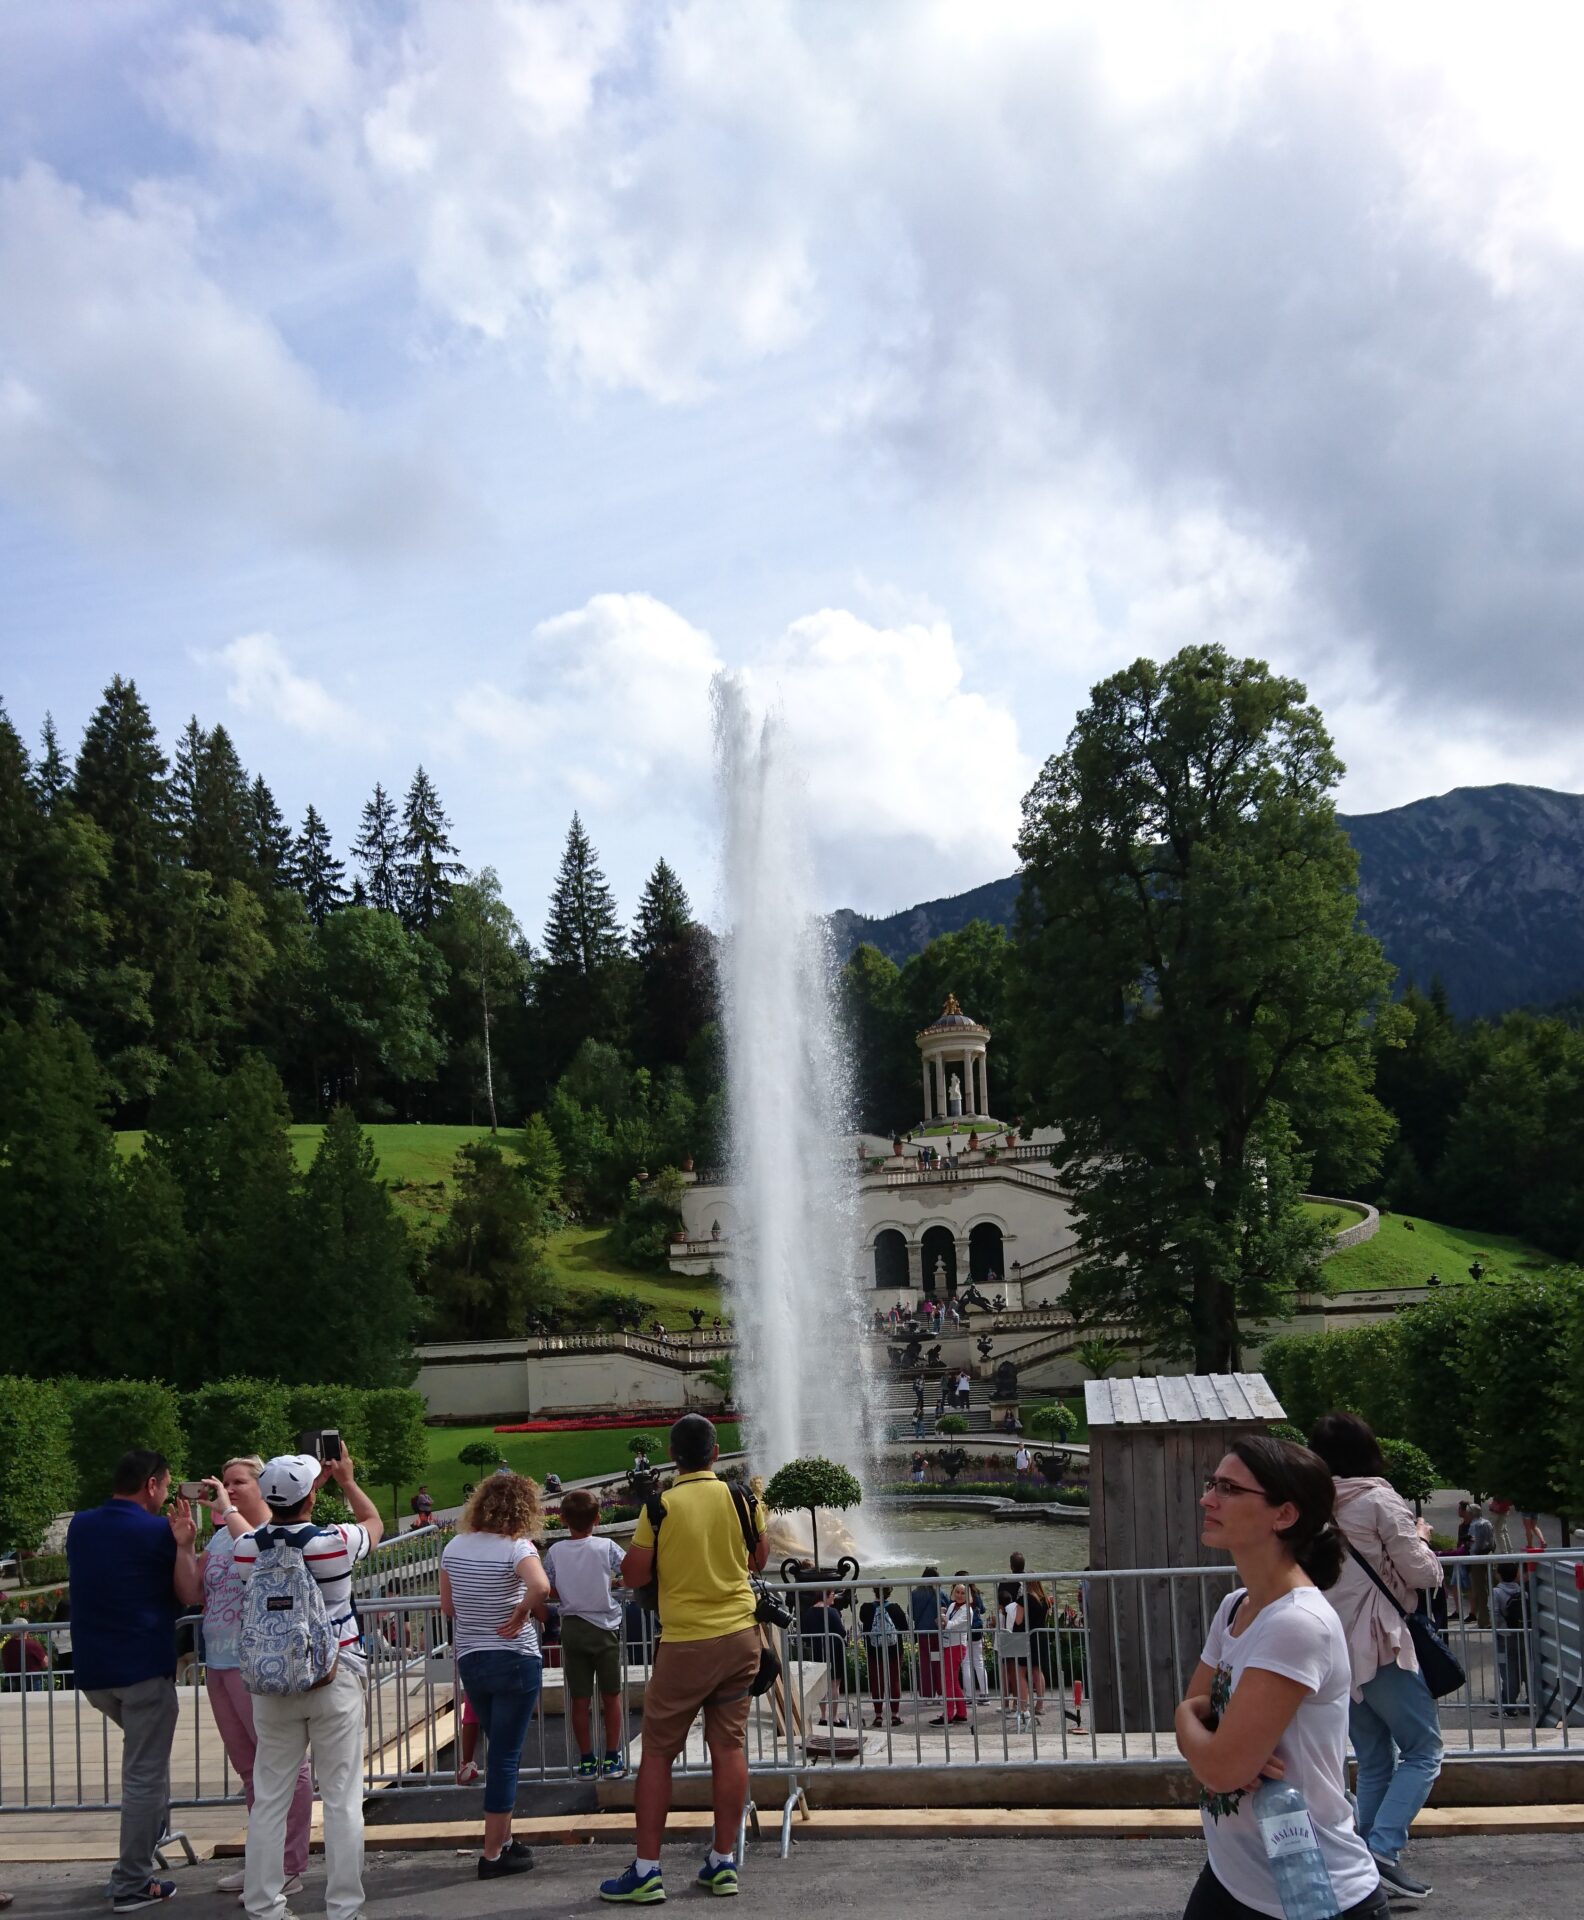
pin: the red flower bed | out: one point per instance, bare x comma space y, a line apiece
593, 1422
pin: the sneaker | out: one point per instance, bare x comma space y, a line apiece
153, 1895
506, 1861
1398, 1884
639, 1889
587, 1767
467, 1773
721, 1879
614, 1767
522, 1850
230, 1882
293, 1885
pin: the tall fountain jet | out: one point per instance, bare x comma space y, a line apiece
803, 1376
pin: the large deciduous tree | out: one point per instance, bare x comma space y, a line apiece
483, 947
1194, 980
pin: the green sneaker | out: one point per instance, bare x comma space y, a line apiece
721, 1879
635, 1888
587, 1767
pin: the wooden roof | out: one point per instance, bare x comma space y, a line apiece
1181, 1400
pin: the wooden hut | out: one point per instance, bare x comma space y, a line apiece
1153, 1442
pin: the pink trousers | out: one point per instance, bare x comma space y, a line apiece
232, 1706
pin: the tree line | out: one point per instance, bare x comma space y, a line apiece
166, 908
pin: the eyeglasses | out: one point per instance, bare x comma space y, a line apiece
1225, 1489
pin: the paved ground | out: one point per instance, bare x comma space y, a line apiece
1476, 1879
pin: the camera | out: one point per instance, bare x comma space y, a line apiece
324, 1443
194, 1490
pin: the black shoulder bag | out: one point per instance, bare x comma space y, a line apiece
1440, 1666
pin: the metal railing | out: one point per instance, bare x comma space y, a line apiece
875, 1677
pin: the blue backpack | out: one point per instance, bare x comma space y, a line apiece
289, 1643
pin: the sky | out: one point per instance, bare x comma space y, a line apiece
466, 384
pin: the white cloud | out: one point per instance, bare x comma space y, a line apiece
263, 681
139, 395
913, 783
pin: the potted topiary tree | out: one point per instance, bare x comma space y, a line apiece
952, 1423
1054, 1421
810, 1484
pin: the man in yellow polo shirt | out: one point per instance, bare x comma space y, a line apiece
708, 1654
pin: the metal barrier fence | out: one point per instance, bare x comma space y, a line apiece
1077, 1669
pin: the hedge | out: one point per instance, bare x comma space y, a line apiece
37, 1481
238, 1416
110, 1418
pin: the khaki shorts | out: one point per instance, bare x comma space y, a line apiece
590, 1654
689, 1674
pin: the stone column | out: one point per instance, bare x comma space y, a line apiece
940, 1087
925, 1065
984, 1081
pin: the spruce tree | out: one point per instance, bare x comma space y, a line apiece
320, 877
119, 784
582, 987
186, 776
428, 871
358, 1263
270, 839
676, 970
51, 772
219, 838
378, 851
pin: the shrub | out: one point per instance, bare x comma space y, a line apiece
1409, 1469
1055, 1421
328, 1405
228, 1417
108, 1418
951, 1423
37, 1479
478, 1453
1285, 1430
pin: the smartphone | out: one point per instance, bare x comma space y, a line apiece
324, 1443
195, 1490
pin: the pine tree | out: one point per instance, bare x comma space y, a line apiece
378, 851
186, 776
319, 875
219, 839
51, 773
427, 873
582, 988
270, 841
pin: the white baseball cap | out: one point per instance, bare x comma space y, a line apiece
289, 1478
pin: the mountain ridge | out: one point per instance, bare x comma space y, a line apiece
1481, 888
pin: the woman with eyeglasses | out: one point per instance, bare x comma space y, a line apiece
1269, 1697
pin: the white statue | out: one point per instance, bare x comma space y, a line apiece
954, 1103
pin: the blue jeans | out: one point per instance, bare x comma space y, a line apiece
504, 1689
1396, 1733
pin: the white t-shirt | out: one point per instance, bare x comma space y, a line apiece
1021, 1460
583, 1573
330, 1554
1300, 1637
485, 1588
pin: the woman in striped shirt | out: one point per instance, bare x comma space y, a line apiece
491, 1585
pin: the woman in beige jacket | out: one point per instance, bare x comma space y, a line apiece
1392, 1718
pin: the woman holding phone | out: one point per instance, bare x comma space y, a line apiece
236, 1507
1269, 1697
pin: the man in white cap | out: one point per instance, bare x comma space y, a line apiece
329, 1717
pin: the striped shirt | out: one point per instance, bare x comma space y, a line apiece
330, 1554
485, 1588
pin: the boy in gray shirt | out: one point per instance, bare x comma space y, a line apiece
583, 1570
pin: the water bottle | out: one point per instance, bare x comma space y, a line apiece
1302, 1883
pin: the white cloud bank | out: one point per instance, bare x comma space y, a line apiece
264, 682
913, 783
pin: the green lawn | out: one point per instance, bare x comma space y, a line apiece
1396, 1257
1344, 1216
416, 1161
573, 1455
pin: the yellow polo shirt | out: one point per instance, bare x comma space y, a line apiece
702, 1564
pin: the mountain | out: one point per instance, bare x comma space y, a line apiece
1481, 888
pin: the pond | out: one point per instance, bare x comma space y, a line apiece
913, 1537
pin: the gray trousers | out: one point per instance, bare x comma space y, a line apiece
146, 1714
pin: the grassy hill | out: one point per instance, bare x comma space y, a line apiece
415, 1162
1400, 1257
